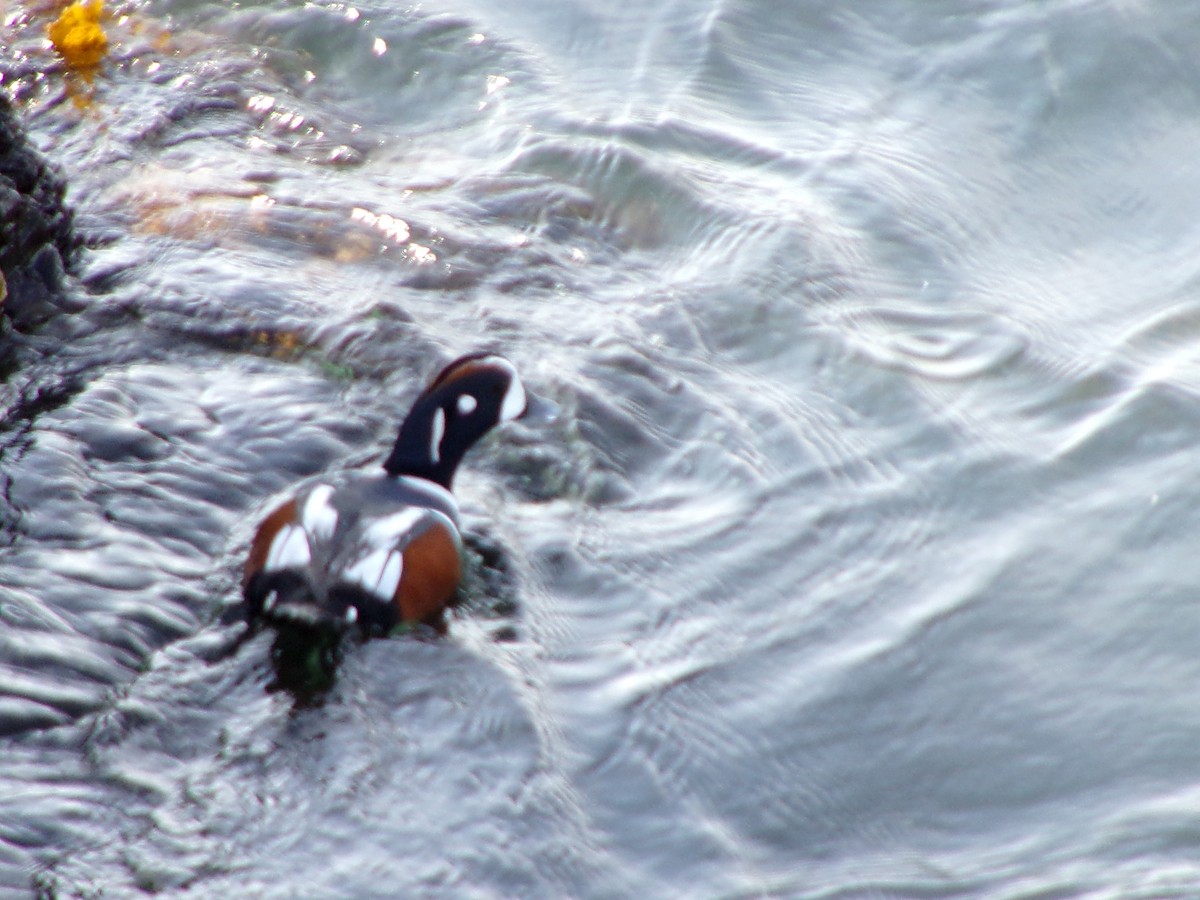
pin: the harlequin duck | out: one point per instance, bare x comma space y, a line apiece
381, 550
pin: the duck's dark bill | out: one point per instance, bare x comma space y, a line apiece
539, 411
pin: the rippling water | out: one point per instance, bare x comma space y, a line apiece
859, 564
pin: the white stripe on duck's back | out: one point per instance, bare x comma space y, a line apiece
378, 572
432, 495
381, 564
388, 531
319, 518
288, 550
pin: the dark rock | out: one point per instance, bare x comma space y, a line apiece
37, 240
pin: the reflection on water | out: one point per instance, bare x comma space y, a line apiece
856, 565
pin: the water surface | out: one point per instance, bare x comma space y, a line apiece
859, 563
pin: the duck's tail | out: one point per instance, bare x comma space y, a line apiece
289, 597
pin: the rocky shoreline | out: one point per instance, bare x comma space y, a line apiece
38, 242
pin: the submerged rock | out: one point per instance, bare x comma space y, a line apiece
37, 240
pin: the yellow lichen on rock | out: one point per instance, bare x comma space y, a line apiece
77, 35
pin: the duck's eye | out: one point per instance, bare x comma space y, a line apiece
467, 404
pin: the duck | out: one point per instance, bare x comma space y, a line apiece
380, 550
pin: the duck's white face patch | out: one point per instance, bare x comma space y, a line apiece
378, 572
467, 404
514, 400
289, 550
436, 433
319, 518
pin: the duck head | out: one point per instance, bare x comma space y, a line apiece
467, 399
